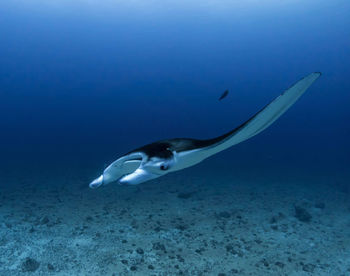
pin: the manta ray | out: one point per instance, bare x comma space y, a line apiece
160, 158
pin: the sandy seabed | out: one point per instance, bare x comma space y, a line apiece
187, 223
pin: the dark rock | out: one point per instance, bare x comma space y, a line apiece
258, 241
181, 227
224, 214
3, 241
274, 227
221, 274
229, 248
151, 267
284, 228
50, 267
134, 224
133, 268
309, 267
159, 246
44, 220
30, 265
277, 218
180, 259
279, 264
139, 251
158, 229
265, 262
200, 250
301, 214
124, 262
234, 271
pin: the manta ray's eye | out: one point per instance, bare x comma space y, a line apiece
164, 167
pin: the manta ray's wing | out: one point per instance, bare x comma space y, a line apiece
262, 119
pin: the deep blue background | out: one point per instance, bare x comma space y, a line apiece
85, 83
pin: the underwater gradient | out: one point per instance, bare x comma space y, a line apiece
84, 82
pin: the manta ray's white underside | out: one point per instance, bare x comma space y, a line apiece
138, 167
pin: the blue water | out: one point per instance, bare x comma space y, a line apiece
83, 83
97, 80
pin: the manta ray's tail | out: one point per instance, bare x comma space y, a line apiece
263, 118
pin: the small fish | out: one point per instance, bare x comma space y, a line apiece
223, 95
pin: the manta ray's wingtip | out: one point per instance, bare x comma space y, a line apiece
316, 73
312, 76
